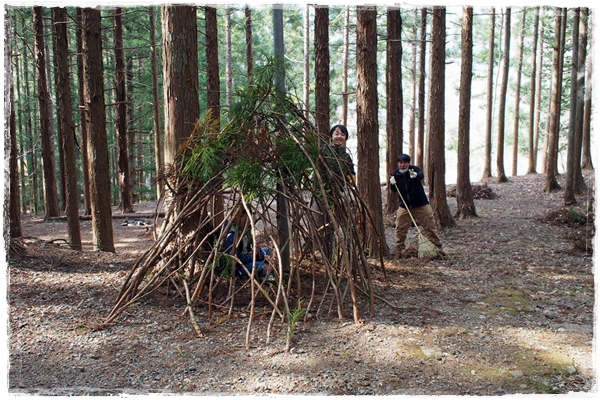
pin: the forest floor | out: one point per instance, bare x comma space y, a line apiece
509, 310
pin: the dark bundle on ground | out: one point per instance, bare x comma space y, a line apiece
480, 191
579, 219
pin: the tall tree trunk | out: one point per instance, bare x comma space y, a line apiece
533, 111
538, 100
212, 57
93, 71
13, 194
487, 165
83, 123
563, 36
421, 100
30, 129
180, 75
393, 100
214, 89
465, 207
580, 186
121, 122
55, 128
586, 157
228, 59
551, 159
518, 97
368, 125
572, 168
502, 106
49, 170
436, 166
322, 70
20, 116
131, 137
249, 55
158, 140
306, 83
283, 228
412, 150
345, 93
67, 129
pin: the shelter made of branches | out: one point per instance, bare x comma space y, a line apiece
268, 155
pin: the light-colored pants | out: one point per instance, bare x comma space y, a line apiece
423, 215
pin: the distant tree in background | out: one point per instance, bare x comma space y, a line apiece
487, 163
67, 130
502, 102
533, 110
552, 134
465, 207
121, 123
48, 159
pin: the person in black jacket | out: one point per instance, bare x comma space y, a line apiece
407, 180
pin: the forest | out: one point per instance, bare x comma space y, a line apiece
138, 135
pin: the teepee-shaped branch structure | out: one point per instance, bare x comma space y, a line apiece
268, 150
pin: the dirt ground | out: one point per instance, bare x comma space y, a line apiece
509, 310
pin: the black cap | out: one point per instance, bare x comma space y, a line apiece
404, 157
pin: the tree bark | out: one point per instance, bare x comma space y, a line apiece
67, 129
212, 58
465, 207
572, 168
228, 59
322, 70
393, 100
580, 186
586, 157
48, 164
345, 94
133, 153
502, 106
487, 165
283, 227
13, 194
421, 100
249, 46
121, 122
158, 140
180, 75
214, 89
436, 166
538, 100
306, 82
95, 109
518, 97
368, 125
412, 123
82, 119
551, 159
533, 111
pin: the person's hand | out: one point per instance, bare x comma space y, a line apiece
392, 180
412, 173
